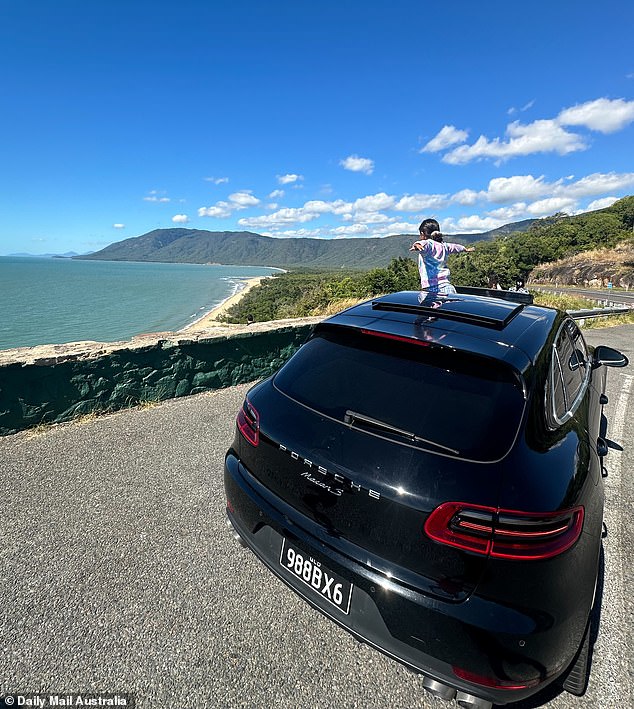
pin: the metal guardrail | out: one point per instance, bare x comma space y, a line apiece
598, 312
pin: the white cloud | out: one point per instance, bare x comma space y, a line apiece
356, 164
373, 203
552, 205
525, 107
288, 179
352, 230
518, 187
538, 137
472, 224
511, 213
318, 206
396, 227
221, 210
417, 202
280, 218
180, 219
276, 194
118, 226
154, 198
601, 203
466, 197
216, 180
372, 218
541, 136
603, 115
298, 233
242, 200
599, 183
447, 136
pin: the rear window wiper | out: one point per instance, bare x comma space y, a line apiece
354, 418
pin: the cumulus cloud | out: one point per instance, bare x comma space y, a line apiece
221, 210
288, 179
118, 226
283, 217
180, 219
472, 224
600, 183
417, 202
446, 137
541, 136
601, 203
466, 197
518, 187
603, 115
356, 164
538, 137
242, 200
276, 194
374, 203
552, 205
509, 214
216, 180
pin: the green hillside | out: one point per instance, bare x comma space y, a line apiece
245, 248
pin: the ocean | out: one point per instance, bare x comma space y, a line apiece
57, 300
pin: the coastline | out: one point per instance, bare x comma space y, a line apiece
209, 319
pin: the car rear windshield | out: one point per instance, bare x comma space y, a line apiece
435, 398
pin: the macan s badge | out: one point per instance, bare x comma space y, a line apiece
338, 491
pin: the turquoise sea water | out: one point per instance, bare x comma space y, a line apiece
56, 300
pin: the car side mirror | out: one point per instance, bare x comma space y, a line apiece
609, 357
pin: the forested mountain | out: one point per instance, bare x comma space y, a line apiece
245, 248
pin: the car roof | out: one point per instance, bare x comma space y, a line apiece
499, 324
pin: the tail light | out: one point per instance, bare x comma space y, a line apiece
248, 423
505, 534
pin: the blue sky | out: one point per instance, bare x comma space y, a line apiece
327, 119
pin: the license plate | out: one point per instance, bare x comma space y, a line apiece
313, 573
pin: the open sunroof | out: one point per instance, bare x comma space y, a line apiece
486, 312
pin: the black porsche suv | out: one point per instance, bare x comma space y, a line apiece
426, 471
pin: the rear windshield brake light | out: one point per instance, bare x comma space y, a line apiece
400, 338
504, 534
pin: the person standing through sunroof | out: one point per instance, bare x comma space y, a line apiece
433, 252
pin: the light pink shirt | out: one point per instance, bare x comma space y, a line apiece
432, 262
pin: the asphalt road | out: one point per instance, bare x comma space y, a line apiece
618, 297
117, 573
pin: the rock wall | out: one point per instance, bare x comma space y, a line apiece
590, 269
56, 383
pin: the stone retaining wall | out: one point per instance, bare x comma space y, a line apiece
56, 383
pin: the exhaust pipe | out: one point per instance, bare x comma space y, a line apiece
438, 689
469, 701
234, 533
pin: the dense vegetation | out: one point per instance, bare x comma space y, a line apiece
304, 293
545, 241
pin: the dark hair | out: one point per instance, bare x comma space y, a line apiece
430, 229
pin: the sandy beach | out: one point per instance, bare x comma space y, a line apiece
210, 319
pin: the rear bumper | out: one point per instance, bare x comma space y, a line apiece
486, 649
